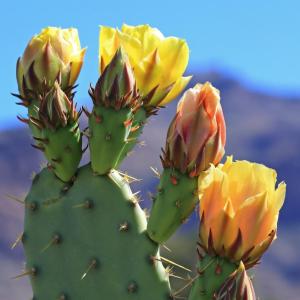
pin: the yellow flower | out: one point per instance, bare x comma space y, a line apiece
158, 62
52, 54
239, 208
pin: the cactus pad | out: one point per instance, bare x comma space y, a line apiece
87, 240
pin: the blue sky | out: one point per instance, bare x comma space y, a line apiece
257, 41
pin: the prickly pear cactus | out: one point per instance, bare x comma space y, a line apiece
85, 235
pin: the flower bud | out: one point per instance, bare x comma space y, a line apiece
197, 134
116, 86
239, 208
238, 286
52, 55
56, 109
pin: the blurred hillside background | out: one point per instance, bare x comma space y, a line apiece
250, 51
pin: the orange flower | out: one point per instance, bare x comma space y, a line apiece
239, 208
197, 135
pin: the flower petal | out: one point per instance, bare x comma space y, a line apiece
179, 86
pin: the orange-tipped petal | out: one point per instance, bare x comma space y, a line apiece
241, 210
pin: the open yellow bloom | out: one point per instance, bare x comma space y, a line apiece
239, 208
53, 54
158, 62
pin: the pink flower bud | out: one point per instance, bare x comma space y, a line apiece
197, 134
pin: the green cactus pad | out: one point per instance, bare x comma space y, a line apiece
63, 150
138, 120
88, 241
212, 273
108, 136
175, 201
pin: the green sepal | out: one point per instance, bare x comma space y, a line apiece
63, 150
108, 133
115, 74
175, 201
33, 113
212, 273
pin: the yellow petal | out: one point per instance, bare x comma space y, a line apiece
174, 55
249, 218
279, 196
212, 192
222, 226
178, 87
20, 74
109, 43
149, 37
76, 67
148, 72
228, 229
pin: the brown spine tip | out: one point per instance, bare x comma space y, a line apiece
23, 120
41, 148
86, 112
41, 140
57, 160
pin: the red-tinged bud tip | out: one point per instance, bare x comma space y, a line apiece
197, 134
